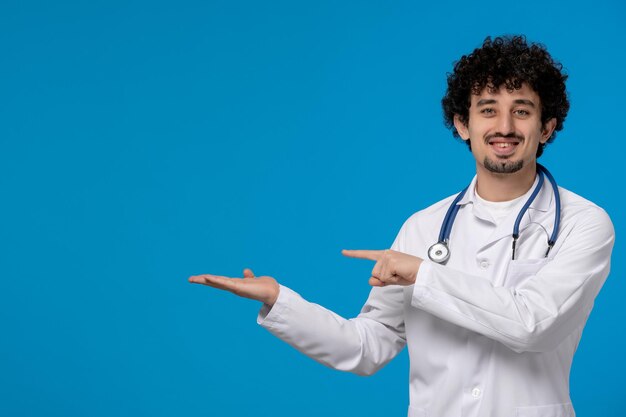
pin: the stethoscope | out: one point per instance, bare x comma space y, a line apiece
439, 252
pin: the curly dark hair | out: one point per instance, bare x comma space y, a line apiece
507, 61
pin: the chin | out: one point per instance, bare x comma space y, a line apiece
503, 166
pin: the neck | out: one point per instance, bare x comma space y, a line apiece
492, 186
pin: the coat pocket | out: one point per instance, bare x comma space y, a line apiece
553, 410
519, 271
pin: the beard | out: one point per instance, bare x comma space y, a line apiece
503, 167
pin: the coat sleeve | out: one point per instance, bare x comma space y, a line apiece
548, 304
361, 345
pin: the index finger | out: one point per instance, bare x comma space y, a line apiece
372, 255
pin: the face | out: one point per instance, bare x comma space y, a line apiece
505, 129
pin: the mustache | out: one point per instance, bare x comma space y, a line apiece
511, 135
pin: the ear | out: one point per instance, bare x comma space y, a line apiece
461, 127
547, 129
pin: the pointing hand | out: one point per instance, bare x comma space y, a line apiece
392, 268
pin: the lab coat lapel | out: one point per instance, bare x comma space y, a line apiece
535, 213
469, 199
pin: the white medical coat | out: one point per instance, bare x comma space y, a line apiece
487, 335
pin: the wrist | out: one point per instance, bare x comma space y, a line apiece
273, 296
418, 264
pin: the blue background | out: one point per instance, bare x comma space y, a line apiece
143, 142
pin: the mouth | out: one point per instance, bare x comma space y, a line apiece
503, 147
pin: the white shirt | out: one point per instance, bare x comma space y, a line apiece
498, 210
486, 336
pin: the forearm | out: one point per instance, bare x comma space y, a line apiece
361, 345
535, 316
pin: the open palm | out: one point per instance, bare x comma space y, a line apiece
264, 289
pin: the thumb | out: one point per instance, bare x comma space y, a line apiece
247, 273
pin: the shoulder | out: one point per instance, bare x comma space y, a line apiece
584, 214
422, 227
431, 213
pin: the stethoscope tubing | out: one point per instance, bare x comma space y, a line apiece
448, 221
557, 202
444, 233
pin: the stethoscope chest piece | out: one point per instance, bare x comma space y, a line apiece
439, 252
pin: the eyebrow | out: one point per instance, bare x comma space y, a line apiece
486, 101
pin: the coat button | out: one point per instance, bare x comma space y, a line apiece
484, 264
476, 392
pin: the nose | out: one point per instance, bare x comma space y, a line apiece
506, 123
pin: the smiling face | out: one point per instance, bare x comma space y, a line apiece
504, 129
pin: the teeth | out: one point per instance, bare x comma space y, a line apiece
503, 145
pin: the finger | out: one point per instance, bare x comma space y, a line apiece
216, 281
247, 273
372, 255
377, 271
208, 283
197, 279
375, 282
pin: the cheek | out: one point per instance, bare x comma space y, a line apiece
478, 128
470, 132
476, 137
477, 148
535, 130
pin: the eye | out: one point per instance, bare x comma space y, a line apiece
522, 112
488, 111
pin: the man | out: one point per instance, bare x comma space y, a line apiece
492, 329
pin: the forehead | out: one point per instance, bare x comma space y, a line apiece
504, 96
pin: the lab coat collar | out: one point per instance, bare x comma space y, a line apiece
542, 202
536, 211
